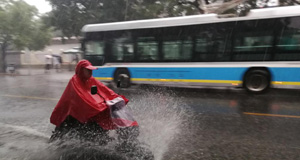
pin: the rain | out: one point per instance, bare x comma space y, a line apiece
149, 80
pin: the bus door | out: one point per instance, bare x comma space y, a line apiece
94, 52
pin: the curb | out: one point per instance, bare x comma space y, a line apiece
10, 74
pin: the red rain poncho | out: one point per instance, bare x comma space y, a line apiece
78, 102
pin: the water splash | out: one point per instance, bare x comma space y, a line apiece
159, 113
18, 142
26, 130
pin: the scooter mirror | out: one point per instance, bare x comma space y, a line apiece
94, 90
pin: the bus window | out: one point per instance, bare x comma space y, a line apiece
201, 45
221, 42
187, 48
251, 43
123, 50
288, 45
94, 48
180, 50
171, 50
253, 40
289, 38
248, 47
289, 42
147, 49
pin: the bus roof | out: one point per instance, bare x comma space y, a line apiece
275, 12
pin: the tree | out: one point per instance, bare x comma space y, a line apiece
236, 7
198, 4
69, 16
160, 8
20, 28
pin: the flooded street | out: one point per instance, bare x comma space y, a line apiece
208, 124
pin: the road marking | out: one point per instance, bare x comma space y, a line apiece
30, 86
25, 129
28, 97
271, 115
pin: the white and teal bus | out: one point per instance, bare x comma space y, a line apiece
258, 51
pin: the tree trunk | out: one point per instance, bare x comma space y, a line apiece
2, 58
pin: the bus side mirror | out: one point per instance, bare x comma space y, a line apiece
94, 90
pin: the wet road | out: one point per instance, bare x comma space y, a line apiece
208, 124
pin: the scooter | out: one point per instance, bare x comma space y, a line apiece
92, 135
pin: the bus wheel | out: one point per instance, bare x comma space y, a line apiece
122, 78
257, 81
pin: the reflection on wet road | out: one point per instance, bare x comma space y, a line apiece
232, 124
176, 123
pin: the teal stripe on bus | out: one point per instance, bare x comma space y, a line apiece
280, 74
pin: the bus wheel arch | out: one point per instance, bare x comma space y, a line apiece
257, 79
122, 76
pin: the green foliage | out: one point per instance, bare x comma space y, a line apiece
69, 16
20, 28
40, 37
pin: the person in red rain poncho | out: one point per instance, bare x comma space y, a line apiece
78, 108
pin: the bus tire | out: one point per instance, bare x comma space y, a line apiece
257, 81
122, 76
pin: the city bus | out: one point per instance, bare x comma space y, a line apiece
257, 52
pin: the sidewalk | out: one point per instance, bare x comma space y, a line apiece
36, 71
